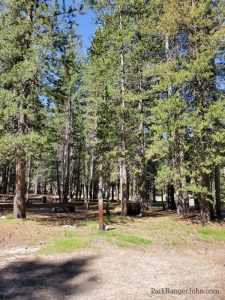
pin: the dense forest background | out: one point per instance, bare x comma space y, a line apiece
141, 115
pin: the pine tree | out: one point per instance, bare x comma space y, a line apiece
185, 121
23, 39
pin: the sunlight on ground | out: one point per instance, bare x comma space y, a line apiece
123, 232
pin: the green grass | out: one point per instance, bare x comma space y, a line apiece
164, 231
214, 234
174, 242
126, 240
9, 217
89, 224
124, 232
120, 238
65, 245
111, 218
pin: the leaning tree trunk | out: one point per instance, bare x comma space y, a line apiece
20, 188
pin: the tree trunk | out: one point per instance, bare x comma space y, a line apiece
100, 205
124, 189
206, 208
154, 193
181, 213
107, 198
172, 203
113, 191
58, 182
162, 198
28, 179
142, 180
123, 172
196, 202
9, 183
217, 191
4, 182
20, 189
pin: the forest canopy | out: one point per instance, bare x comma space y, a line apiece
141, 114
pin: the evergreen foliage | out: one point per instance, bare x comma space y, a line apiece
143, 113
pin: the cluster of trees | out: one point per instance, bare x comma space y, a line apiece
143, 111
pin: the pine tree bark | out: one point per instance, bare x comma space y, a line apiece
28, 178
4, 182
171, 199
107, 198
206, 207
19, 207
217, 191
143, 180
100, 204
123, 166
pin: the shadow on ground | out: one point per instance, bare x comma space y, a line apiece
78, 218
41, 279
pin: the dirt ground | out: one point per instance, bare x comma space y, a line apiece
108, 271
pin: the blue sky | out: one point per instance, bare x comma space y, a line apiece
86, 28
86, 25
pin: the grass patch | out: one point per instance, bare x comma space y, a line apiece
174, 242
122, 239
90, 224
110, 218
126, 240
209, 233
9, 217
64, 245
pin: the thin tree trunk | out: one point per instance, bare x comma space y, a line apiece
78, 178
4, 179
28, 178
9, 172
143, 180
123, 172
162, 198
107, 198
217, 191
100, 205
58, 182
